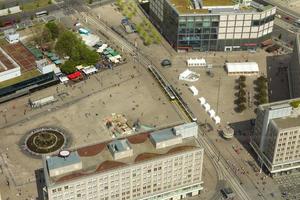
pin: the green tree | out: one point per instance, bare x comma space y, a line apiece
242, 85
49, 1
242, 78
53, 28
241, 107
241, 92
69, 44
68, 67
46, 36
262, 100
241, 100
90, 1
66, 42
147, 40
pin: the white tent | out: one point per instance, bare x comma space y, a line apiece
206, 106
202, 100
102, 48
89, 70
196, 62
194, 90
245, 68
63, 79
212, 113
90, 39
217, 119
188, 75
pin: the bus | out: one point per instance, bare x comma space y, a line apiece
41, 13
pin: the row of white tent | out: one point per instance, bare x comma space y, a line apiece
196, 62
102, 48
211, 112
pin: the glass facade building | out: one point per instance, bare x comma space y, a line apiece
212, 28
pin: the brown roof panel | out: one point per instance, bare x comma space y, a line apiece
91, 150
137, 139
108, 164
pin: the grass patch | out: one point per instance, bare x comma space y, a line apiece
23, 77
3, 42
295, 104
34, 5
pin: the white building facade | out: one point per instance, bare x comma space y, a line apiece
174, 176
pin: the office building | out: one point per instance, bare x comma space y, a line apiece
294, 70
276, 138
212, 25
165, 164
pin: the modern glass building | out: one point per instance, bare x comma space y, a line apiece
212, 25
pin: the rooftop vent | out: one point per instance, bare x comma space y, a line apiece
120, 149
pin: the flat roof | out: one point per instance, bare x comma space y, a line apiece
21, 55
279, 104
5, 63
57, 162
242, 67
97, 158
185, 7
163, 135
289, 122
216, 6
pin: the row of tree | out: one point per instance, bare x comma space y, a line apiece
241, 94
148, 33
262, 90
128, 8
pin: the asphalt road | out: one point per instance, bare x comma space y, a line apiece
224, 171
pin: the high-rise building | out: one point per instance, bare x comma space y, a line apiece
294, 70
212, 25
276, 138
164, 164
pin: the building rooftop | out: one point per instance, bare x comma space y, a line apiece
99, 157
186, 6
56, 161
163, 135
278, 104
289, 122
214, 6
5, 63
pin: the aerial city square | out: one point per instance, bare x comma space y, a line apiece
149, 99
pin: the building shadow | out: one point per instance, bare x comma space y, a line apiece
277, 73
40, 183
243, 131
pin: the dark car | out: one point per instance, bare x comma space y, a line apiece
228, 193
166, 63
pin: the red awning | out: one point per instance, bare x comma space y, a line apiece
74, 75
249, 44
267, 42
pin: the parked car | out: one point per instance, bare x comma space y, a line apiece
166, 63
228, 193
